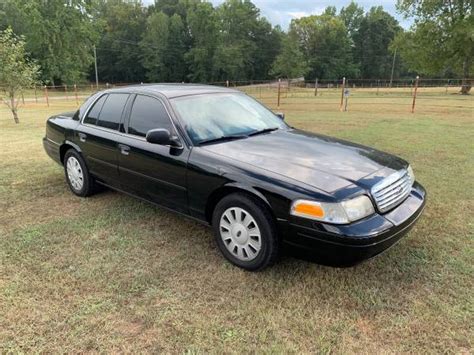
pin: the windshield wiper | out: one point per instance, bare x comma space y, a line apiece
222, 139
262, 131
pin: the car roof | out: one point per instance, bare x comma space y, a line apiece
174, 90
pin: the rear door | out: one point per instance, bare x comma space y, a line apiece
97, 136
154, 172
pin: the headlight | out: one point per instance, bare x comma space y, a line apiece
337, 213
411, 174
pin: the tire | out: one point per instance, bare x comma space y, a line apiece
77, 175
245, 232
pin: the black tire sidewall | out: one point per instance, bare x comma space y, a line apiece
259, 212
86, 187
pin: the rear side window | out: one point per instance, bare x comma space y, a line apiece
111, 114
148, 113
94, 112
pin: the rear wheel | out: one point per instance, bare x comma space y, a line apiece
77, 175
245, 232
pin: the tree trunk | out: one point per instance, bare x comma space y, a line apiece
14, 110
466, 82
15, 116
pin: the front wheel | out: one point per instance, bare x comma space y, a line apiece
245, 232
77, 174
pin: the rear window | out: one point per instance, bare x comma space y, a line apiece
94, 112
80, 113
107, 111
111, 114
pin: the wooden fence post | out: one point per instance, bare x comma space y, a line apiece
316, 87
46, 95
75, 94
342, 93
36, 96
279, 92
414, 94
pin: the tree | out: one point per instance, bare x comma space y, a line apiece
176, 49
202, 27
326, 45
290, 63
170, 7
441, 39
268, 42
163, 48
236, 48
352, 16
17, 71
372, 41
59, 34
118, 51
154, 46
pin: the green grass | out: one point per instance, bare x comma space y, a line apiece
110, 273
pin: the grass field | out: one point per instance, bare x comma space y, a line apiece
110, 273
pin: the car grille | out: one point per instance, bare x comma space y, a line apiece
392, 190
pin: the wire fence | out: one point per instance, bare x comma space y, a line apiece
299, 94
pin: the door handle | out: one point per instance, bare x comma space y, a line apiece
124, 149
82, 137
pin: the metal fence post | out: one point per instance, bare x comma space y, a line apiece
279, 92
414, 94
342, 93
75, 94
46, 95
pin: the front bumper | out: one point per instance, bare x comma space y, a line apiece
345, 245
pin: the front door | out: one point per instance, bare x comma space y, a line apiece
154, 172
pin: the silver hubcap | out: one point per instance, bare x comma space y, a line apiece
240, 233
75, 173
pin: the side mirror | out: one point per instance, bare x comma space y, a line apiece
280, 115
162, 137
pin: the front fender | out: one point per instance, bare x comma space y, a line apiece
249, 189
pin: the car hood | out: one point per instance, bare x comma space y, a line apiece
326, 163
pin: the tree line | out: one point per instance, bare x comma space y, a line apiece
194, 41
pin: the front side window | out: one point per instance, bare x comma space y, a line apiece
148, 113
111, 114
212, 116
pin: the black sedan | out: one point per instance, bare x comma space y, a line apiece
220, 157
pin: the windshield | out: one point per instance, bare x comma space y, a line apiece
213, 116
